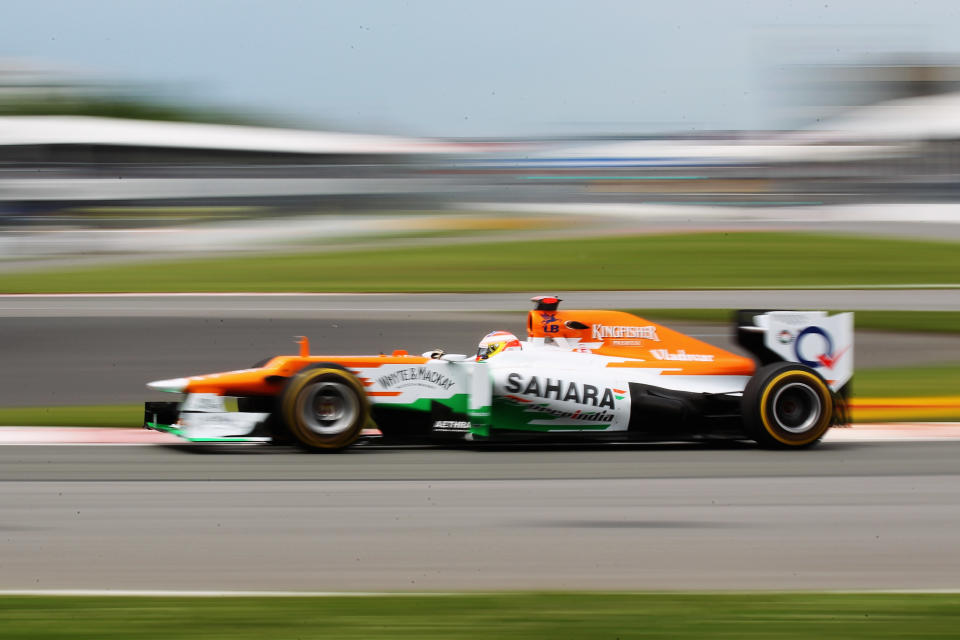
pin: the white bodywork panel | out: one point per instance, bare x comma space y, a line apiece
553, 387
206, 416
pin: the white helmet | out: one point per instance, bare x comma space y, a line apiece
496, 342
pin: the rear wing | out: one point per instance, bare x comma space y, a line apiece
812, 338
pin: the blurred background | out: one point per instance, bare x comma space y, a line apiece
676, 159
259, 127
320, 147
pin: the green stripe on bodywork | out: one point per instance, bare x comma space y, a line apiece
480, 421
518, 417
166, 428
480, 429
456, 403
545, 428
505, 414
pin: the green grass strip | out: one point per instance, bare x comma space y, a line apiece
696, 260
918, 321
103, 415
932, 380
504, 616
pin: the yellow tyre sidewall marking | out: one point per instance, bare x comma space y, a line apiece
825, 396
292, 402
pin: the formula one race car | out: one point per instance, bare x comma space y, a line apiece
601, 375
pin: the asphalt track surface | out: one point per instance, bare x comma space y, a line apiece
841, 516
67, 350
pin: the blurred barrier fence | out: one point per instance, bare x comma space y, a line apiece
891, 409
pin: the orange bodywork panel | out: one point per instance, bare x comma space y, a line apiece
640, 342
271, 378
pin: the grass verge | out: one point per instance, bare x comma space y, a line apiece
695, 260
931, 380
504, 615
103, 415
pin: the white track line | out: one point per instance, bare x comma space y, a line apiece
896, 432
83, 436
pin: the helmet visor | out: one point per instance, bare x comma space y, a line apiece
487, 350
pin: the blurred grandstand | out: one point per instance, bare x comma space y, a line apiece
60, 167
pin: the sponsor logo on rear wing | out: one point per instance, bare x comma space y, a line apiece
811, 338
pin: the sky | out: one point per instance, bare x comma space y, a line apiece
491, 68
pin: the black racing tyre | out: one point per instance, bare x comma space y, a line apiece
323, 408
787, 405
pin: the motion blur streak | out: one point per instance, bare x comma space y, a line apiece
845, 516
886, 140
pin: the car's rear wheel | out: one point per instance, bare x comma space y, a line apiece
324, 408
787, 405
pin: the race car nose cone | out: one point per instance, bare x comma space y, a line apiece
175, 385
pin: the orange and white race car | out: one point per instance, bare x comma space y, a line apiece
585, 374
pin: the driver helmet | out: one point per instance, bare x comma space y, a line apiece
497, 342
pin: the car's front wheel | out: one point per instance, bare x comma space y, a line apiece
324, 408
787, 405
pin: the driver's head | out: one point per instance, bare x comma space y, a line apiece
497, 342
